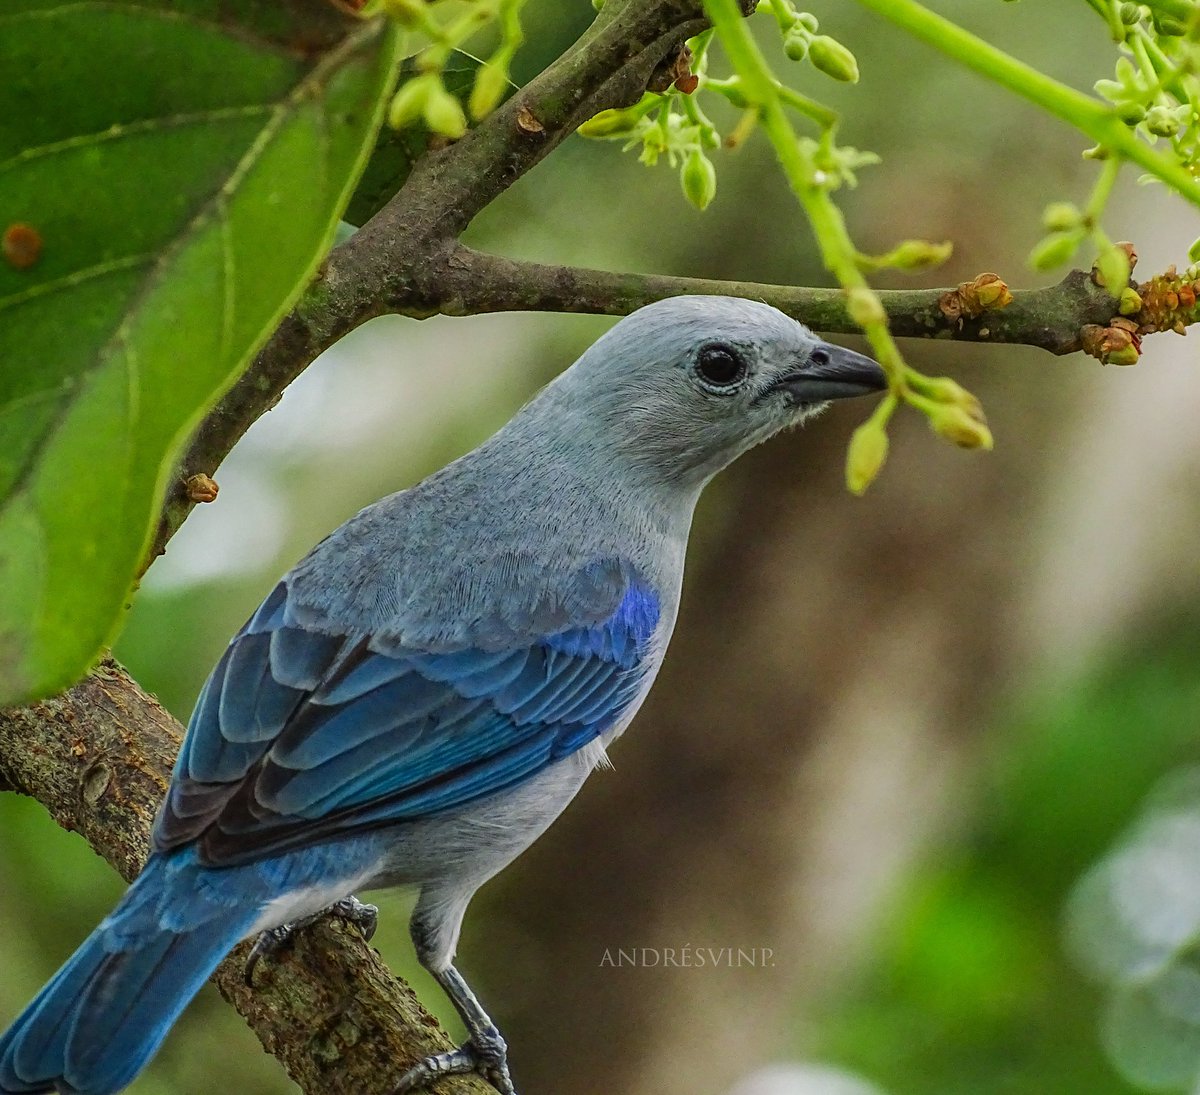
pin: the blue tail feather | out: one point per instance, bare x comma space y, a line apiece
104, 1014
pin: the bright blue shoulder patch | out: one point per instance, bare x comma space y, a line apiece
623, 638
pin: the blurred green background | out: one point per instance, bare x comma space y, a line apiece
892, 734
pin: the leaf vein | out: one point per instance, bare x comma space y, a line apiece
145, 125
77, 277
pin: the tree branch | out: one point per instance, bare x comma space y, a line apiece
1049, 318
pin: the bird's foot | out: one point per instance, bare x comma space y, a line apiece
486, 1053
273, 940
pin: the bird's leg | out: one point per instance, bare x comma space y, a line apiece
273, 940
485, 1051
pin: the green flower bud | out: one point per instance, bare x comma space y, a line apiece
1130, 302
408, 104
1054, 250
699, 179
864, 306
941, 389
1194, 251
1167, 25
808, 21
1126, 356
1061, 217
918, 254
795, 43
1131, 113
954, 424
443, 112
833, 59
610, 123
1130, 15
866, 455
1161, 121
491, 81
1112, 269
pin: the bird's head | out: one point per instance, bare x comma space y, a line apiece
684, 386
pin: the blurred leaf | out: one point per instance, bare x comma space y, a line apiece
182, 167
397, 150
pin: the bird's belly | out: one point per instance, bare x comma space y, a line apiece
473, 843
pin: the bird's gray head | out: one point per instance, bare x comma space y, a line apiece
682, 387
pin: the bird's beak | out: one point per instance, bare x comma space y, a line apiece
832, 372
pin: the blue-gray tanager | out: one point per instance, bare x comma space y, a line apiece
423, 694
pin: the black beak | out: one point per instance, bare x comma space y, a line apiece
832, 372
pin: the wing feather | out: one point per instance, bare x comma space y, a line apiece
301, 735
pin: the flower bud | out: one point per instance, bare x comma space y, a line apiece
1061, 217
954, 424
1130, 15
808, 21
1112, 270
491, 81
941, 389
866, 455
864, 306
1130, 303
795, 43
443, 112
833, 59
610, 123
1167, 25
1127, 355
990, 291
1131, 113
1161, 121
918, 254
1054, 250
408, 104
699, 179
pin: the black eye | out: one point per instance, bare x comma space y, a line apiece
720, 366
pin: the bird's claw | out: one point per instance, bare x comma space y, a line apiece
486, 1053
362, 916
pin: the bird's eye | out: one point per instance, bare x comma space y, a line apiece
720, 366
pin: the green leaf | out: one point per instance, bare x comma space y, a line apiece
397, 150
183, 165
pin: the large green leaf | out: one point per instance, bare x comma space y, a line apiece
183, 165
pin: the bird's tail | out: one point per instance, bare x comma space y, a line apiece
98, 1021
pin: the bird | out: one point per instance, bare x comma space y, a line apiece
419, 698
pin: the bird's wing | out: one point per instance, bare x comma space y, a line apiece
301, 735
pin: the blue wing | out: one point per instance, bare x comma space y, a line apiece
299, 735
